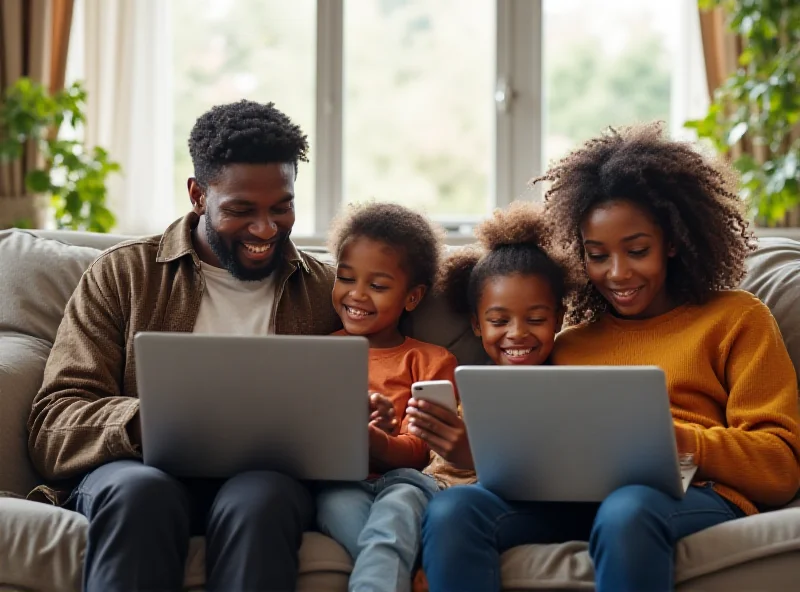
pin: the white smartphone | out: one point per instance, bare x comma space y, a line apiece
439, 392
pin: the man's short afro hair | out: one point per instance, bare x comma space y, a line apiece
244, 133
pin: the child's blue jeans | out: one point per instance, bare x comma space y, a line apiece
632, 534
379, 523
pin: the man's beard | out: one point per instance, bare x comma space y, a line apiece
230, 262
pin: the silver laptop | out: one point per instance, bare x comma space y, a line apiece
214, 405
569, 433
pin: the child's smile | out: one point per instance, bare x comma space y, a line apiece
521, 356
356, 313
372, 291
517, 319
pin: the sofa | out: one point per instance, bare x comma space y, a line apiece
42, 546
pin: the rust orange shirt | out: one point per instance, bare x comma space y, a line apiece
392, 371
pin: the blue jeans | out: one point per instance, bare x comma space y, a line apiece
379, 523
140, 521
632, 534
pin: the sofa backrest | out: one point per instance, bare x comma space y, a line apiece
773, 275
39, 271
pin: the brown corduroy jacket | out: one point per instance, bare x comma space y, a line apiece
79, 417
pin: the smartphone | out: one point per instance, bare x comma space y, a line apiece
439, 392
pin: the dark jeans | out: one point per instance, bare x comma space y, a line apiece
632, 534
140, 521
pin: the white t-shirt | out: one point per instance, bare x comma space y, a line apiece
234, 307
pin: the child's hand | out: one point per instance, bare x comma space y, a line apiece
382, 413
443, 430
377, 439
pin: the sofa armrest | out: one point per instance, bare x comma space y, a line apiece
738, 541
22, 361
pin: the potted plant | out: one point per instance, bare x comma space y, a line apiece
760, 102
73, 177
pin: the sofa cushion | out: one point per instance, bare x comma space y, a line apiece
748, 540
42, 547
773, 275
39, 276
435, 322
42, 550
22, 361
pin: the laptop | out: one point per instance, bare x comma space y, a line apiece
569, 433
218, 405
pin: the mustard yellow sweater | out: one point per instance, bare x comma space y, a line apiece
731, 383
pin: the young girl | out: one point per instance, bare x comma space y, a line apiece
513, 289
658, 230
387, 258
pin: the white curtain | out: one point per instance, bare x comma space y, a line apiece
689, 96
122, 50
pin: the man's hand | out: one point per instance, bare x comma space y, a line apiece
443, 430
382, 413
134, 429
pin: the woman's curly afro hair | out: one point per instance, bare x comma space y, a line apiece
692, 197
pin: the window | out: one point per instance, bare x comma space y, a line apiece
605, 63
226, 50
418, 112
447, 105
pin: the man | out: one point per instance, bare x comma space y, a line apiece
226, 267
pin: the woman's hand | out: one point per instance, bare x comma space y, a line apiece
443, 430
382, 413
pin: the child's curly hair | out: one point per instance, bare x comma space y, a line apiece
417, 238
513, 241
692, 197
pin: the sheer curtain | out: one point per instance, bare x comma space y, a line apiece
689, 96
122, 50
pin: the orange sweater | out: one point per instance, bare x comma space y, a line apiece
731, 383
392, 371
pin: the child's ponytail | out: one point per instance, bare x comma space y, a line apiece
522, 223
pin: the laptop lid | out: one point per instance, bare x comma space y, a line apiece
569, 433
217, 405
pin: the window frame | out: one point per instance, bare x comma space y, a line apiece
517, 145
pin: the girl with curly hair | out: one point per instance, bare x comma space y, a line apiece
657, 232
387, 257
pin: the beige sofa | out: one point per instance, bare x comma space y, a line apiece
41, 547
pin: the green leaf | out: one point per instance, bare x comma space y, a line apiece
736, 133
746, 163
776, 182
746, 57
38, 181
102, 217
758, 89
72, 203
790, 166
